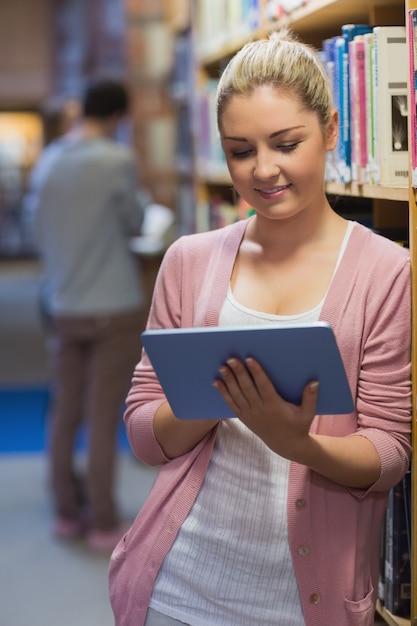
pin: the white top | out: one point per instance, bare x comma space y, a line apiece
238, 525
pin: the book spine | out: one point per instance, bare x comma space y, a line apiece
391, 70
251, 15
342, 106
352, 110
348, 32
335, 158
235, 22
412, 53
382, 551
397, 551
370, 136
376, 115
389, 551
360, 109
346, 118
328, 59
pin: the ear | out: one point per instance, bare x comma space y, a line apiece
332, 131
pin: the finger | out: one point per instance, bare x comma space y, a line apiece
227, 397
260, 377
237, 386
234, 372
309, 398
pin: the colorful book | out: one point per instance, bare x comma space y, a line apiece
370, 126
349, 31
273, 10
412, 54
352, 111
398, 549
328, 57
341, 105
381, 576
251, 11
358, 121
391, 105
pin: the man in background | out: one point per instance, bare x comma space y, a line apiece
86, 202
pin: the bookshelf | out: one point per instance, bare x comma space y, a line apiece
218, 29
412, 200
314, 21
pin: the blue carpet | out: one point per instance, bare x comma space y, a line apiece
23, 422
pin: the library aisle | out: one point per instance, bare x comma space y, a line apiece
43, 582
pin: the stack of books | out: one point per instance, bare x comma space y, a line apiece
394, 592
368, 70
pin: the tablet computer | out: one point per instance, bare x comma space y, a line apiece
187, 360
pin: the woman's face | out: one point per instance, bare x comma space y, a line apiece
276, 151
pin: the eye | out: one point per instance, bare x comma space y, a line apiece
288, 147
241, 154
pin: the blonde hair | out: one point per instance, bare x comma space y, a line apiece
281, 61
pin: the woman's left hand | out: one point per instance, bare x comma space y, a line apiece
350, 460
250, 394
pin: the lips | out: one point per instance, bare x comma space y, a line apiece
271, 191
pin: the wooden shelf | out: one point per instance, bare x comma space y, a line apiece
331, 13
390, 619
316, 20
378, 192
221, 177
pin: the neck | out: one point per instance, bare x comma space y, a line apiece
286, 236
93, 129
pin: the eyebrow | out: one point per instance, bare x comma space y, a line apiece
276, 134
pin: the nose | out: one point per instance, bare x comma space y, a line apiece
266, 165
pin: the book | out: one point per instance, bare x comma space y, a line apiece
341, 104
210, 154
352, 116
348, 32
412, 54
328, 58
221, 212
391, 105
381, 573
397, 598
212, 25
370, 120
251, 11
358, 98
273, 10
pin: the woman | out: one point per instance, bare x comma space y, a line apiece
274, 517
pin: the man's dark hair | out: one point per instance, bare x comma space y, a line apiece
104, 98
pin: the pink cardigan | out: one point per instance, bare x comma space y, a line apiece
369, 308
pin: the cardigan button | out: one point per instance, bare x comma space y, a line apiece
300, 504
315, 598
303, 550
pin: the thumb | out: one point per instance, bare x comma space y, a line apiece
309, 399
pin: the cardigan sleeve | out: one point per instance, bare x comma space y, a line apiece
189, 290
146, 394
369, 307
384, 383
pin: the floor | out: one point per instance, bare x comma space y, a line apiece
43, 582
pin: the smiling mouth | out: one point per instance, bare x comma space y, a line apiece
272, 190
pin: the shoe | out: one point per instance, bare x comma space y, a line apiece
106, 540
67, 529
